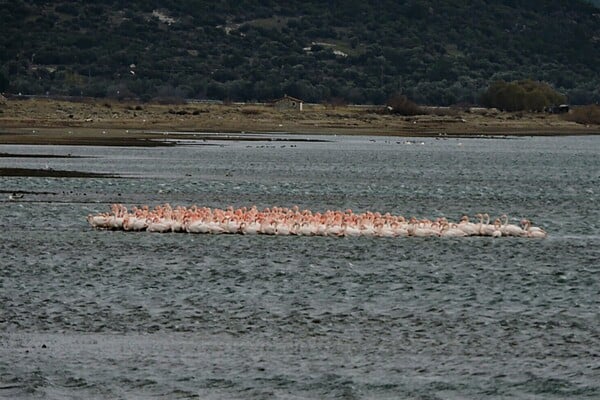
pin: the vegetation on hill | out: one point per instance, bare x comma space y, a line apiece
524, 95
436, 52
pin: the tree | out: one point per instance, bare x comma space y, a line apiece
400, 104
524, 95
3, 82
254, 49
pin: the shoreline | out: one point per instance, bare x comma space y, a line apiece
103, 122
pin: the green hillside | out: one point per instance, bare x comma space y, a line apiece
434, 51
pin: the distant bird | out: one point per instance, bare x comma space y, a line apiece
15, 196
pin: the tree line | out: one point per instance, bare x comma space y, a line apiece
437, 52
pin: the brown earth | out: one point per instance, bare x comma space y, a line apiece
103, 122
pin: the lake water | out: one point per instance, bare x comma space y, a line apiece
98, 314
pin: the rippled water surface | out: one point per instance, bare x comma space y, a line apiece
97, 314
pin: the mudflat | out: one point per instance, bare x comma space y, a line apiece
123, 123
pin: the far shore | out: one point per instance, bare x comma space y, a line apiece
106, 122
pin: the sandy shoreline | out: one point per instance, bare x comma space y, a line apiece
101, 122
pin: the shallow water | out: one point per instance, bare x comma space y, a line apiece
97, 314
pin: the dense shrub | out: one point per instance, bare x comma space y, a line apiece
584, 115
3, 82
524, 95
67, 8
400, 104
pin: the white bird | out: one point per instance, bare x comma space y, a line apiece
533, 231
451, 230
510, 229
283, 221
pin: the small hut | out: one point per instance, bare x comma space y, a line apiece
288, 103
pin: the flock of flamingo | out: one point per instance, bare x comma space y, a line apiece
293, 221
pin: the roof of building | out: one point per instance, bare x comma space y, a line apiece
286, 97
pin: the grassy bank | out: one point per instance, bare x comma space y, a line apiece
98, 121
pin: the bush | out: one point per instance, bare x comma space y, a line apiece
588, 115
3, 82
524, 95
67, 9
400, 104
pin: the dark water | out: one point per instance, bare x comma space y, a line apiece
96, 314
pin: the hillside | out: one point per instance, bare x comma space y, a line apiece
435, 51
